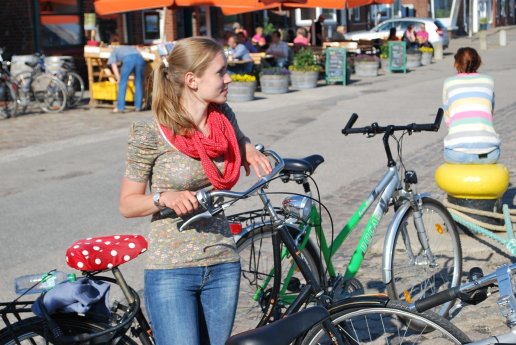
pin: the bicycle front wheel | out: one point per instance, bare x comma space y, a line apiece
8, 102
35, 331
418, 273
49, 92
74, 89
361, 322
257, 262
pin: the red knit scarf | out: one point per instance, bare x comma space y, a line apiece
222, 140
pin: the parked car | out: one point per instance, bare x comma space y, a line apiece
437, 32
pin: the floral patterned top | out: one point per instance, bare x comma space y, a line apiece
204, 243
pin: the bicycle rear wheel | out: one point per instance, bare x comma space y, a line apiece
49, 92
414, 274
8, 102
34, 330
257, 262
74, 89
364, 320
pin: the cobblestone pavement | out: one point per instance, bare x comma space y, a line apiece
478, 321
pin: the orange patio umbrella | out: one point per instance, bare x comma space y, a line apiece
244, 6
360, 3
103, 7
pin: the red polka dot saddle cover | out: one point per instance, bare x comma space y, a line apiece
100, 253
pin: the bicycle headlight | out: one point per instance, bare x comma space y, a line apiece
297, 206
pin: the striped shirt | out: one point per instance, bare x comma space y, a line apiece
468, 102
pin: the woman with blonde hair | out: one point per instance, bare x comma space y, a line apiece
194, 142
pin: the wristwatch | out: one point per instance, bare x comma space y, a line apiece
155, 199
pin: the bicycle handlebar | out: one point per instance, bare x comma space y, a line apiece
374, 128
465, 291
205, 198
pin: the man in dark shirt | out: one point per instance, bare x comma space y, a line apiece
319, 36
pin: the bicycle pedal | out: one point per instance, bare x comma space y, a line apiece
345, 288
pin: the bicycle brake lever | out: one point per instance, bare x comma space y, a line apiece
204, 215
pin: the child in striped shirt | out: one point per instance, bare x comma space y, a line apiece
468, 102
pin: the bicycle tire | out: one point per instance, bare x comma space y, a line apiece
255, 249
8, 100
444, 243
74, 89
364, 320
49, 92
34, 330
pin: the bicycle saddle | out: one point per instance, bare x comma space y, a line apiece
306, 165
100, 253
283, 331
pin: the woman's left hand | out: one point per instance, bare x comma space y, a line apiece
257, 160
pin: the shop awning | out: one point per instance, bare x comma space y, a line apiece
244, 6
360, 3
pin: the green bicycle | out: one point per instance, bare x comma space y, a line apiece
422, 251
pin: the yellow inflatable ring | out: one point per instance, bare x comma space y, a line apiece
473, 181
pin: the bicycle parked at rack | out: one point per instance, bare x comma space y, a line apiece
356, 320
477, 290
8, 104
47, 90
422, 252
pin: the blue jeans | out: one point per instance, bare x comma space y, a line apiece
193, 305
457, 157
131, 63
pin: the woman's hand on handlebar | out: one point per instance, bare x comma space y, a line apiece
257, 160
183, 202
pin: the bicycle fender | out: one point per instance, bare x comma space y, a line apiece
360, 302
388, 245
389, 242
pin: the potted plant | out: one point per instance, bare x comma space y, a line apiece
426, 55
274, 80
366, 65
304, 71
241, 88
384, 58
413, 57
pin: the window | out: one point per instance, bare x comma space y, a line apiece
151, 26
60, 23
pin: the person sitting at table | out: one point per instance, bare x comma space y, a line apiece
422, 37
301, 38
278, 49
338, 36
258, 39
239, 53
246, 42
392, 35
409, 37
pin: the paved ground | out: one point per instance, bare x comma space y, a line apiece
21, 136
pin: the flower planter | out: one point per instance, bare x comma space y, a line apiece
426, 59
274, 83
241, 91
414, 60
304, 80
366, 68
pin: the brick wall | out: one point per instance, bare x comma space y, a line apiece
420, 7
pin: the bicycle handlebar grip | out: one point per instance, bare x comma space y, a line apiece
437, 299
167, 212
438, 119
350, 124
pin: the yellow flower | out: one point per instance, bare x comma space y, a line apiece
243, 78
426, 49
